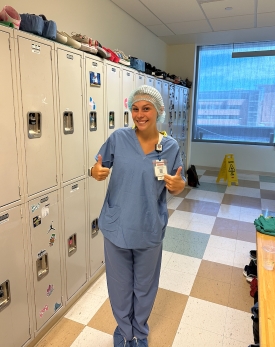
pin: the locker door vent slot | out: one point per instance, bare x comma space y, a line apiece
93, 121
179, 114
128, 74
95, 227
111, 120
5, 297
42, 266
94, 63
72, 246
34, 125
126, 119
75, 187
113, 69
170, 115
68, 123
175, 115
70, 56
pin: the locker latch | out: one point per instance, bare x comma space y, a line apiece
93, 121
126, 119
111, 120
42, 266
72, 245
5, 297
68, 123
95, 227
34, 125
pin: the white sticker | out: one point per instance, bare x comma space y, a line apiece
35, 207
45, 211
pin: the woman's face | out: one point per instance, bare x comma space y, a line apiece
144, 115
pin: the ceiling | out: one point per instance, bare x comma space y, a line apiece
204, 21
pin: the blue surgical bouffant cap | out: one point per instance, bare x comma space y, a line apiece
151, 94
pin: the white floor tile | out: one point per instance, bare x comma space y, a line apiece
268, 204
100, 287
243, 191
174, 203
238, 325
249, 214
184, 264
166, 256
196, 194
267, 185
188, 335
229, 212
203, 218
176, 281
227, 342
222, 243
92, 337
205, 228
213, 197
180, 219
217, 255
199, 313
85, 308
247, 177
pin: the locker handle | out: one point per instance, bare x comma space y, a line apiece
68, 123
34, 125
5, 297
126, 119
42, 266
72, 245
111, 120
95, 227
93, 121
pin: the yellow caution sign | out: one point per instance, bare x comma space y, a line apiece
228, 170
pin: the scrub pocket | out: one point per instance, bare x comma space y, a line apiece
110, 217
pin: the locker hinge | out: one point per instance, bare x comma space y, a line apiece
9, 44
51, 54
19, 190
21, 212
56, 179
80, 62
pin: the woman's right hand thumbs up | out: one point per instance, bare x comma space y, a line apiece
99, 172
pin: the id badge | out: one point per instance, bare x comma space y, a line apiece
160, 168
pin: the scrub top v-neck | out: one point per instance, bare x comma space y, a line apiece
134, 213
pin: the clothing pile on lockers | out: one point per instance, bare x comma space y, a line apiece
265, 225
40, 25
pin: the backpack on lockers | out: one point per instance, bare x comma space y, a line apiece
193, 180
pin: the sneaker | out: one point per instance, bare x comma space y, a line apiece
86, 48
139, 343
119, 340
70, 41
84, 39
123, 58
253, 254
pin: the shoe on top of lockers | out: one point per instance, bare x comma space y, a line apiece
89, 49
70, 41
84, 39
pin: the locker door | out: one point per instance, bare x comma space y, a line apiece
45, 238
175, 113
139, 80
127, 88
180, 115
94, 100
165, 96
70, 115
75, 236
113, 98
9, 179
149, 81
158, 85
14, 312
36, 83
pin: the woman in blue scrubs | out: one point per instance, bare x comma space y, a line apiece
134, 216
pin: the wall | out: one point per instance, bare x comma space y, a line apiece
102, 20
181, 58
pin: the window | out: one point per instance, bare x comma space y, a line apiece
235, 97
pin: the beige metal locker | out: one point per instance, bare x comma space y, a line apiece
94, 101
70, 113
36, 88
139, 79
175, 113
158, 85
14, 308
44, 223
112, 98
149, 81
165, 95
74, 224
128, 77
9, 141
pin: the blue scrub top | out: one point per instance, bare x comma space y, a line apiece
134, 214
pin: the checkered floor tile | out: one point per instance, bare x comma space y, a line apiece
203, 297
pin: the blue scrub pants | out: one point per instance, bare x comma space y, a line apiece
132, 280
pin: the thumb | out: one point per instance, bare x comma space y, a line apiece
178, 173
99, 159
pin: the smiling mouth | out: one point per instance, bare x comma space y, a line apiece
142, 121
